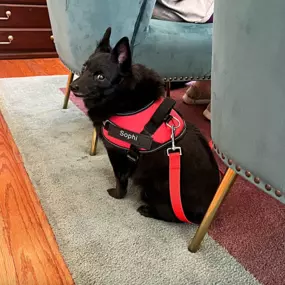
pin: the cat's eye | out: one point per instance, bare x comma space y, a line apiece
100, 77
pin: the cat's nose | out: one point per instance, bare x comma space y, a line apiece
74, 87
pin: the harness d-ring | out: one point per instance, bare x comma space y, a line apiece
175, 119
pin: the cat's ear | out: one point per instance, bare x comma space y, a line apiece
121, 54
104, 44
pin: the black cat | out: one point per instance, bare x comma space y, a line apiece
111, 84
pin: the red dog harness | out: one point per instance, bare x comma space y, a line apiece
147, 130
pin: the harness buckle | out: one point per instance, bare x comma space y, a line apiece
133, 154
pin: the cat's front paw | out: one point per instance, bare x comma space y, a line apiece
113, 192
145, 211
